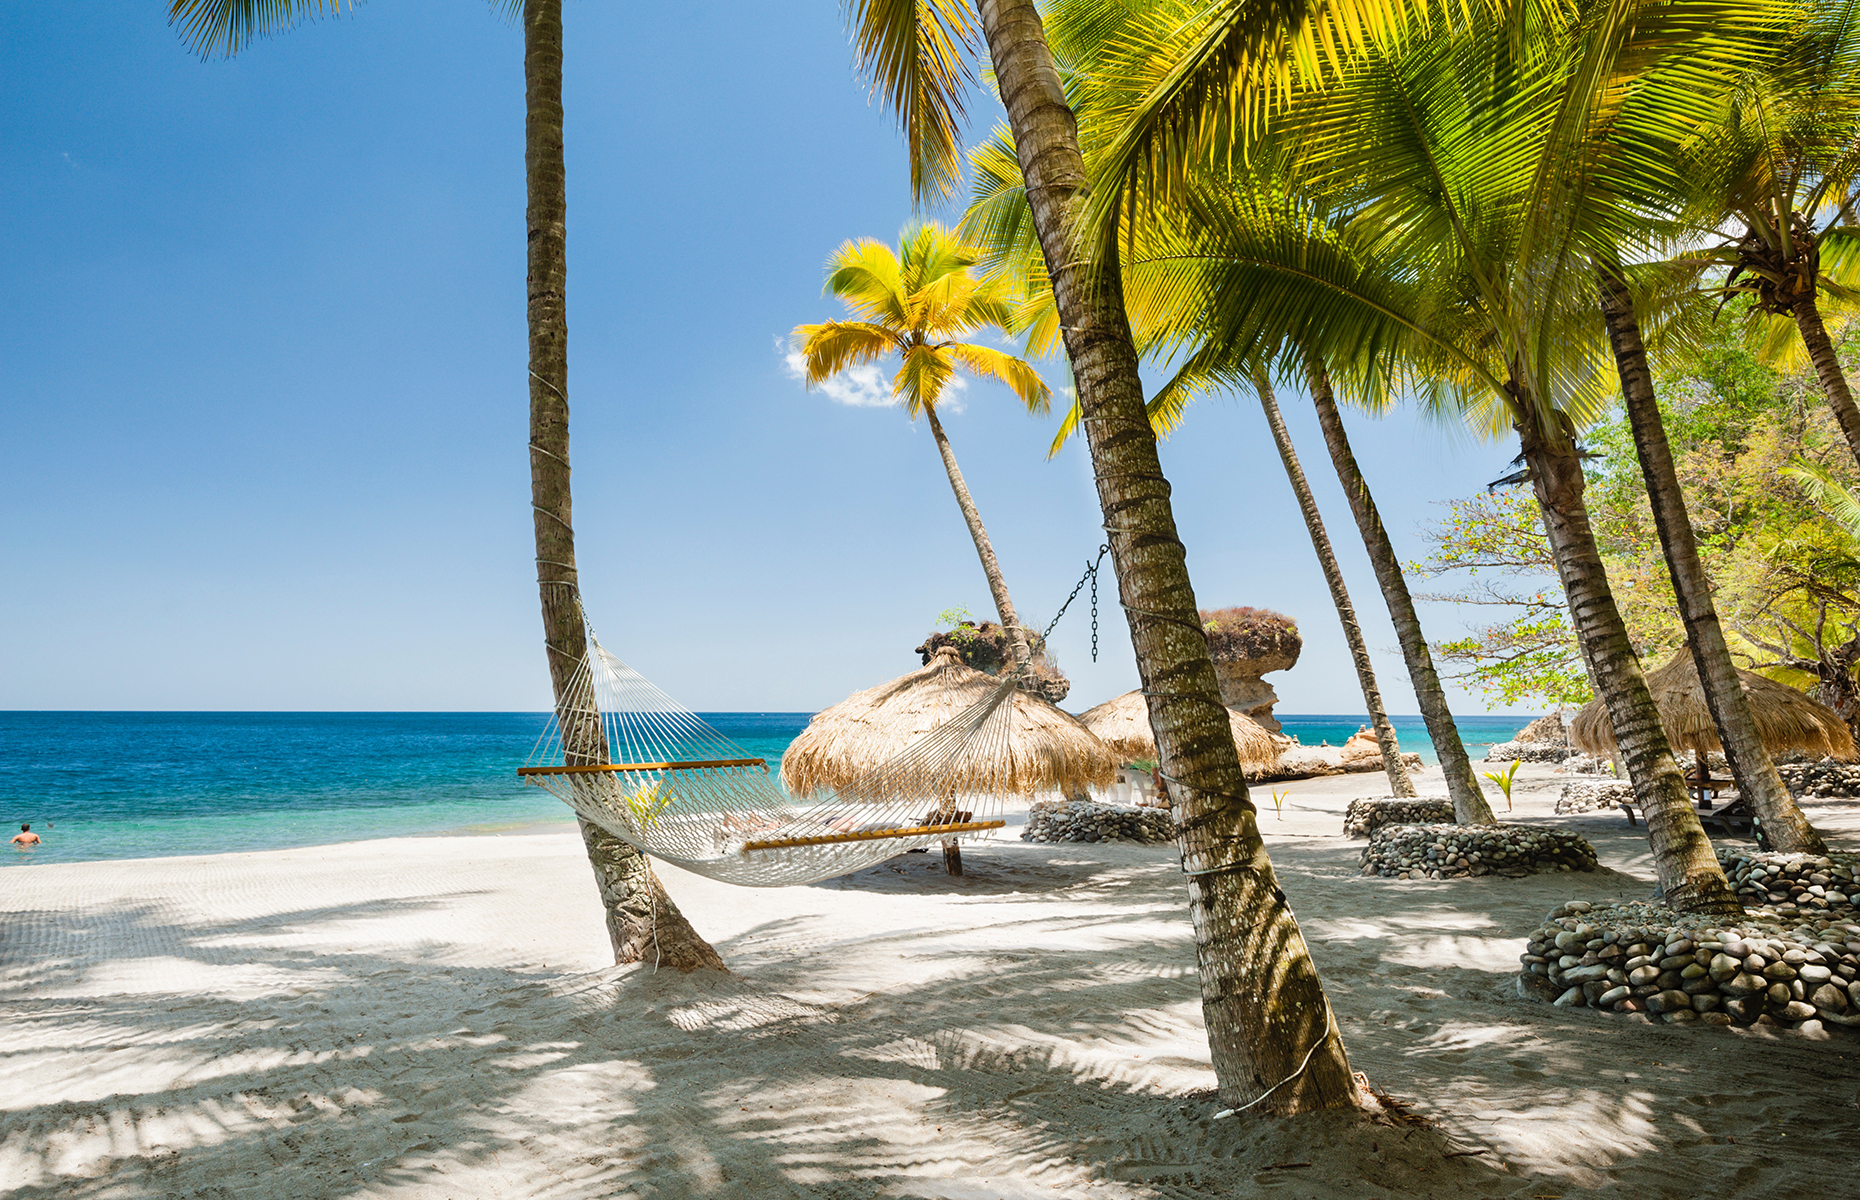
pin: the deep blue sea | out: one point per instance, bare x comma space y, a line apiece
108, 785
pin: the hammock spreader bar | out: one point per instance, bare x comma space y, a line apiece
870, 835
591, 768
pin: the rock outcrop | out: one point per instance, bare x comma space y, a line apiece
986, 648
1245, 644
1548, 730
1306, 762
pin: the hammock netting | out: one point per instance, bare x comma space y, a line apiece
632, 760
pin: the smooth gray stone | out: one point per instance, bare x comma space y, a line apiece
1830, 997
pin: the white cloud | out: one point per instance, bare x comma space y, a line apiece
857, 387
868, 385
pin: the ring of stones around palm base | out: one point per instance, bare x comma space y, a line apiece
1456, 851
1765, 968
1364, 817
1088, 821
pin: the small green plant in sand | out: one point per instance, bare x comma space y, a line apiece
1278, 804
1503, 780
647, 803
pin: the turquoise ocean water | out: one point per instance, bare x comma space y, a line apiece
112, 785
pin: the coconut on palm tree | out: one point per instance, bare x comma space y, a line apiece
641, 918
920, 302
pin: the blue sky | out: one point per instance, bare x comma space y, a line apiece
262, 383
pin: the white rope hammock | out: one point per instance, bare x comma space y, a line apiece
651, 772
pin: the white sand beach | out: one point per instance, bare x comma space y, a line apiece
432, 1018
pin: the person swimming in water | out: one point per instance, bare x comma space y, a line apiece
25, 836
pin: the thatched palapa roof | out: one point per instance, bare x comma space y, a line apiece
1046, 749
1123, 724
1785, 718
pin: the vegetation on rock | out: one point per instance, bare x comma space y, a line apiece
1241, 633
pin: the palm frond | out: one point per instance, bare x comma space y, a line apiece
832, 346
915, 53
922, 376
990, 363
1069, 424
1828, 493
866, 274
226, 27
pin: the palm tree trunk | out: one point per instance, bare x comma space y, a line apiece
1399, 783
984, 549
1271, 1035
639, 913
1469, 803
1783, 821
1828, 368
1688, 871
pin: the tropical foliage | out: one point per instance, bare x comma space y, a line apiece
1763, 465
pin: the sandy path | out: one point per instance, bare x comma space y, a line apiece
428, 1018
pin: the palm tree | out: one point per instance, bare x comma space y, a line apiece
1469, 803
1273, 1040
642, 920
1784, 824
1781, 160
915, 303
1399, 783
1456, 161
998, 217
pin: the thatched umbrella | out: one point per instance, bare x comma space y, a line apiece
1047, 749
1123, 724
1785, 718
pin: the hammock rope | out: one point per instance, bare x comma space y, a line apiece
632, 760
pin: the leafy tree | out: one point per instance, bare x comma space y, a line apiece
1496, 540
642, 919
1745, 437
1163, 311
